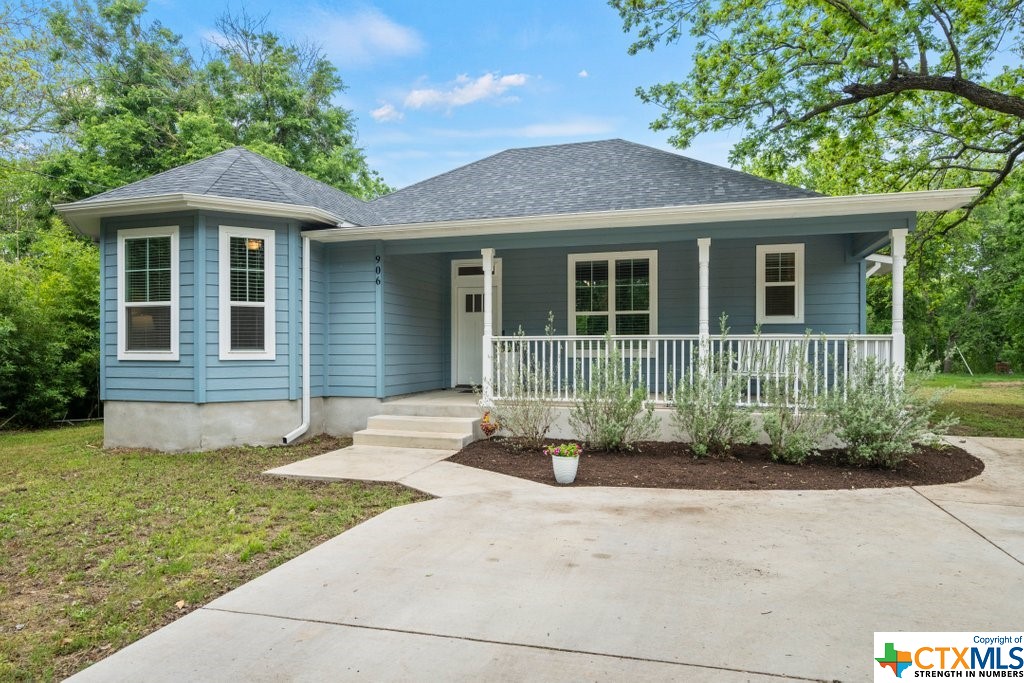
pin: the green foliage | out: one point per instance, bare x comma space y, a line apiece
705, 410
879, 417
138, 102
525, 412
846, 96
49, 329
611, 411
793, 418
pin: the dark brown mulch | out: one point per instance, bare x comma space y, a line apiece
673, 466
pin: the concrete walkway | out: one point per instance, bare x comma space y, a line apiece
546, 583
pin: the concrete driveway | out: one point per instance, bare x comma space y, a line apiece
540, 583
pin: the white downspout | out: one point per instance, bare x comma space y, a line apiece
304, 427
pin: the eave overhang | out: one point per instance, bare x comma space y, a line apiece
774, 209
86, 215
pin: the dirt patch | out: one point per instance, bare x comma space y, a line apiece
673, 466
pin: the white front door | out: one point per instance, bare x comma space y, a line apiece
468, 320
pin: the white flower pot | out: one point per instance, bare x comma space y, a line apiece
565, 468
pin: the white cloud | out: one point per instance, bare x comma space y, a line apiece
464, 91
387, 112
358, 38
583, 74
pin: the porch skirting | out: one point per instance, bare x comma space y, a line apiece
177, 427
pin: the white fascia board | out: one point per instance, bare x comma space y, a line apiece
86, 216
807, 207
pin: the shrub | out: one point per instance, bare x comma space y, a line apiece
879, 416
705, 408
793, 419
525, 411
611, 412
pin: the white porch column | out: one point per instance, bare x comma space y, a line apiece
488, 386
704, 261
703, 322
898, 239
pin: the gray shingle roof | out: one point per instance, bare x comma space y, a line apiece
240, 174
588, 176
606, 175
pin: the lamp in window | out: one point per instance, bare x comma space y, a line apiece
253, 244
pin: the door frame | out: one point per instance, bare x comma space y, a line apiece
470, 281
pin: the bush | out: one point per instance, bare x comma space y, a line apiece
880, 418
611, 412
525, 411
705, 408
793, 419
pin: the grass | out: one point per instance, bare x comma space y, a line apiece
99, 548
987, 405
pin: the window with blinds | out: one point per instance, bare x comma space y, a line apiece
613, 292
147, 314
246, 289
780, 283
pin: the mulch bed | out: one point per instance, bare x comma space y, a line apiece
750, 467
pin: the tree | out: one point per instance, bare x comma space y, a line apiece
855, 94
139, 102
26, 77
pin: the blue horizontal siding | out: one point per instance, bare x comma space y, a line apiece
350, 330
416, 323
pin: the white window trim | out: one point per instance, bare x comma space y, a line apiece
269, 351
122, 328
797, 249
611, 257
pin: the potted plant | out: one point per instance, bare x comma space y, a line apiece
565, 460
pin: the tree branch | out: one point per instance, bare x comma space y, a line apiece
974, 93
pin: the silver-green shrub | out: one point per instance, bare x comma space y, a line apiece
793, 418
525, 411
880, 415
612, 410
705, 408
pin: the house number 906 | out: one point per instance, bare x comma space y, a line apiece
377, 270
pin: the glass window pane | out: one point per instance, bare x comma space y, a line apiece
780, 267
149, 328
237, 252
591, 324
135, 286
256, 286
159, 252
633, 323
600, 298
135, 253
255, 249
247, 328
159, 285
592, 286
780, 300
239, 285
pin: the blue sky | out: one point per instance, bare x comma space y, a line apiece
435, 85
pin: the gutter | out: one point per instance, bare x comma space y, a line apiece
804, 207
304, 426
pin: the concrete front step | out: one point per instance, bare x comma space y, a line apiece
431, 408
423, 423
409, 439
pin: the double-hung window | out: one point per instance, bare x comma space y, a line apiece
147, 294
780, 283
246, 292
614, 292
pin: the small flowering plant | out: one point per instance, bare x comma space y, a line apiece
564, 450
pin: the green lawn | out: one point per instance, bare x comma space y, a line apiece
987, 405
98, 548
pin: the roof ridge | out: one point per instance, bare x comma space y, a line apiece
226, 168
161, 173
284, 189
718, 167
442, 175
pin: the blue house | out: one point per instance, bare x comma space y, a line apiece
243, 302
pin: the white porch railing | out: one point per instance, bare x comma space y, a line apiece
662, 362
